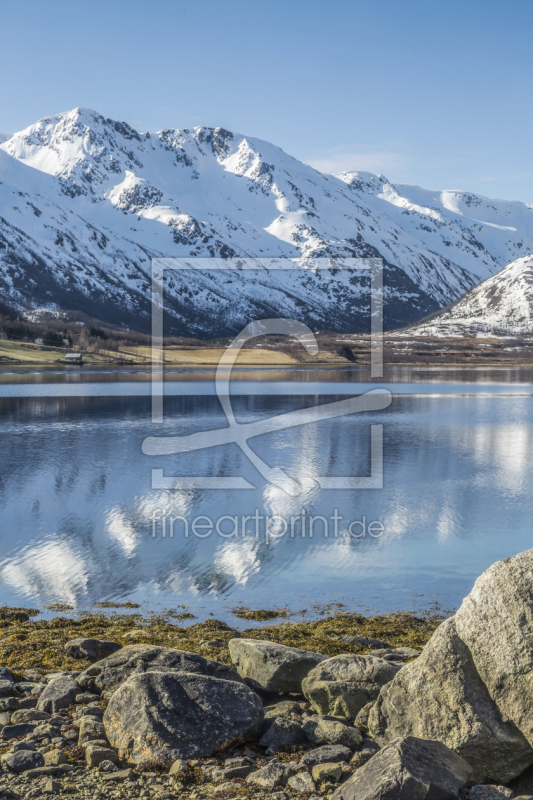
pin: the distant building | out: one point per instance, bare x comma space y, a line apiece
75, 358
38, 341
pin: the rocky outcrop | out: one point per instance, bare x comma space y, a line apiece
270, 666
136, 659
408, 768
343, 685
472, 686
163, 716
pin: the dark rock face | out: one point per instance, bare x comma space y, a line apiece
408, 768
59, 693
23, 760
270, 666
136, 659
163, 716
343, 685
92, 649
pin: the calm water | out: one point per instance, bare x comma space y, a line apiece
78, 512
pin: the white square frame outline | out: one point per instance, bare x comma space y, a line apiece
160, 265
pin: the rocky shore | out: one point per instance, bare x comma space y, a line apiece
433, 711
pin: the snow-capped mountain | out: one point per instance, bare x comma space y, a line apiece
502, 304
87, 202
4, 137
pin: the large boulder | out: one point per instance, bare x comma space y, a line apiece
59, 693
329, 730
408, 768
342, 685
272, 667
441, 696
136, 659
163, 716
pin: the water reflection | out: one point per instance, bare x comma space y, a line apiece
78, 514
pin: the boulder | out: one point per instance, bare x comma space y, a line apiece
136, 659
272, 667
16, 731
94, 756
327, 772
283, 733
273, 775
59, 693
328, 730
440, 696
93, 649
23, 760
408, 768
325, 755
163, 716
343, 685
91, 730
301, 783
54, 758
28, 715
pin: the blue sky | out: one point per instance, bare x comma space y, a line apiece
436, 94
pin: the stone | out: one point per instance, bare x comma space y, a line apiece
52, 787
86, 697
326, 772
342, 685
269, 777
302, 782
163, 716
16, 731
441, 697
91, 729
8, 689
327, 730
323, 755
22, 746
283, 733
54, 758
368, 749
179, 767
410, 768
282, 709
59, 693
107, 766
92, 649
5, 719
270, 666
489, 792
121, 775
364, 641
361, 720
137, 659
23, 760
28, 715
95, 755
9, 704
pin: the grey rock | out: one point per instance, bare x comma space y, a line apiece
54, 758
107, 766
368, 749
328, 730
163, 716
490, 792
5, 675
121, 775
408, 768
39, 772
325, 755
282, 709
283, 733
52, 787
9, 704
343, 685
441, 697
270, 666
16, 731
95, 755
86, 697
361, 720
23, 760
22, 746
28, 715
92, 649
302, 782
8, 689
269, 777
5, 719
59, 693
91, 729
137, 659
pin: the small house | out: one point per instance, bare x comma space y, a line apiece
74, 358
38, 341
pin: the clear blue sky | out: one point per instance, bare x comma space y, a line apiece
433, 93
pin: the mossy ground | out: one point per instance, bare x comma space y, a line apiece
27, 641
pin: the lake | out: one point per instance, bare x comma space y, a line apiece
83, 518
